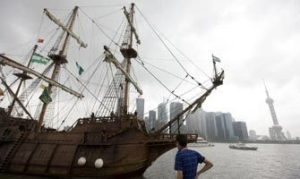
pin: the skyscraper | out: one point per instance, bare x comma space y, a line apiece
175, 109
162, 113
229, 134
152, 119
240, 130
195, 123
276, 130
252, 135
162, 116
211, 129
220, 126
140, 103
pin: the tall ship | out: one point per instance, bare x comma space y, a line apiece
42, 131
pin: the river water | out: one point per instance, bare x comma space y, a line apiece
270, 161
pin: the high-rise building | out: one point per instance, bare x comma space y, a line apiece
195, 123
220, 126
140, 104
276, 130
240, 130
229, 134
211, 129
202, 123
252, 135
162, 116
162, 113
152, 119
175, 109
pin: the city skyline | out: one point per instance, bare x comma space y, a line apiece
222, 127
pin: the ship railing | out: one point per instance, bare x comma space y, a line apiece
190, 137
93, 120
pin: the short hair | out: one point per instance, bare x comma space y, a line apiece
181, 139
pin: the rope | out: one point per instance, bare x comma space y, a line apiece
163, 70
143, 65
98, 26
177, 86
166, 46
84, 86
184, 55
156, 33
101, 86
95, 6
108, 14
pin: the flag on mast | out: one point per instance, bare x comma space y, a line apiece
80, 69
45, 97
40, 40
216, 59
37, 58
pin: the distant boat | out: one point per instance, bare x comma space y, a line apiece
241, 146
201, 143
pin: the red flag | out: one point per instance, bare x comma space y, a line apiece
40, 40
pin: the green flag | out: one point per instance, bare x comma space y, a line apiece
37, 58
80, 69
45, 97
216, 59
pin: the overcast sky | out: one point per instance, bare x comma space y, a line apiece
255, 39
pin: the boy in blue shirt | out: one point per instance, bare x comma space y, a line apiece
186, 161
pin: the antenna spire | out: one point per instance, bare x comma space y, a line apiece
266, 89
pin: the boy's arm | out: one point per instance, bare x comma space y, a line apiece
206, 167
179, 174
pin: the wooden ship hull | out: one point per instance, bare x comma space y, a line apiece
124, 148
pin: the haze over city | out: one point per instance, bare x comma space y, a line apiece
255, 40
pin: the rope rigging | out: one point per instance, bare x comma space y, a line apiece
108, 105
184, 55
172, 54
98, 26
159, 81
83, 88
85, 85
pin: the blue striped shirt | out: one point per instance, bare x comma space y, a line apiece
187, 161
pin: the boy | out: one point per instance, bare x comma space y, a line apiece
186, 161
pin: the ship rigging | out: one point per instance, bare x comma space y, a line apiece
101, 141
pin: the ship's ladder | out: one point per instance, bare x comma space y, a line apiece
7, 159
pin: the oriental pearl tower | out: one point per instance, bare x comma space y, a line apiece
276, 130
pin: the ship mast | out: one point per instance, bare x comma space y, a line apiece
23, 77
58, 60
128, 52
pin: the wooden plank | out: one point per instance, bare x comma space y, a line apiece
30, 156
